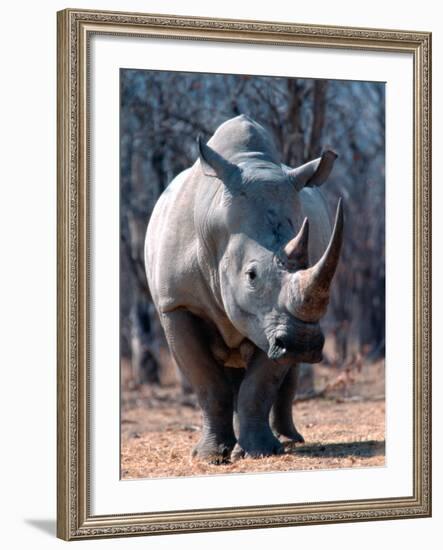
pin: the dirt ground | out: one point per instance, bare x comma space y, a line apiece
342, 421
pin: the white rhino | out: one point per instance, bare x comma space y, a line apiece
239, 259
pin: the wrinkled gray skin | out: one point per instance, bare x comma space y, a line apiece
232, 284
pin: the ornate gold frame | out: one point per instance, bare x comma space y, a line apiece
74, 520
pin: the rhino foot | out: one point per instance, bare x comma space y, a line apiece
257, 445
291, 436
212, 452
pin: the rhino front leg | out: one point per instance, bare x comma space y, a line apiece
186, 336
282, 421
235, 377
258, 392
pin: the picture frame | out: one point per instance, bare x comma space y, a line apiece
75, 517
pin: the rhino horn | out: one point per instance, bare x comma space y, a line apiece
215, 165
324, 269
311, 286
313, 173
296, 250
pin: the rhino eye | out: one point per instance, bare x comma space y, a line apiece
252, 274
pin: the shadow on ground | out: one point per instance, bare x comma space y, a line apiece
46, 525
341, 450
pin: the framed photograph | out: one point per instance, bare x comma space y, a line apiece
244, 254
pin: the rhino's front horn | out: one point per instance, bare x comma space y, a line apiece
296, 251
311, 286
323, 271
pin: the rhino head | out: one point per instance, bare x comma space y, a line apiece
271, 292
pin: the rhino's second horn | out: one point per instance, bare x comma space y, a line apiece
296, 251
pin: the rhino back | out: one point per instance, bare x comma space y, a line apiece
239, 137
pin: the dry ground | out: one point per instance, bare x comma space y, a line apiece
343, 425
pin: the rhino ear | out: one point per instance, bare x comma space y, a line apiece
213, 164
313, 173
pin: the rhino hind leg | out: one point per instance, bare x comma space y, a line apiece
186, 336
282, 421
257, 393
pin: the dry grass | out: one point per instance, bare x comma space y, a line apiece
345, 428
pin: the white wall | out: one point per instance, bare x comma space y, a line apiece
27, 272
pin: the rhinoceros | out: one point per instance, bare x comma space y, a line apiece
240, 255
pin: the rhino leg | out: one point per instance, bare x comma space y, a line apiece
235, 376
281, 413
186, 336
257, 393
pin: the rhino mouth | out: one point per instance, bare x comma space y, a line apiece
294, 357
284, 349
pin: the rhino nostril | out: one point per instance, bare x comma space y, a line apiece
278, 343
277, 348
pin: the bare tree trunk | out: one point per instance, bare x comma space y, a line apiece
294, 143
319, 111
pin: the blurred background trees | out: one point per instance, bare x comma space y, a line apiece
162, 113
